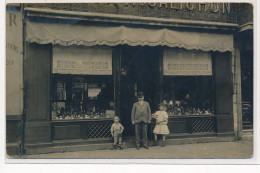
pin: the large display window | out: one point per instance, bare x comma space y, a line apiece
188, 87
82, 83
82, 97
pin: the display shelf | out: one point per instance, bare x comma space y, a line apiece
192, 116
82, 120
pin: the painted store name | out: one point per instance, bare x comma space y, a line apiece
201, 7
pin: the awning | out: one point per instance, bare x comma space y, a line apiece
66, 35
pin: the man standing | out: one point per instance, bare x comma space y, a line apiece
141, 117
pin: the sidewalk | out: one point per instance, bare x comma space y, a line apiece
237, 149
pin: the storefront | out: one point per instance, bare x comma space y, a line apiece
83, 68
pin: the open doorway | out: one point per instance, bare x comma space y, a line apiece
140, 73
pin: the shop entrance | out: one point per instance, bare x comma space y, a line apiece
139, 72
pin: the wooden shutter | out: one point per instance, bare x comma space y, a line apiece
224, 99
37, 92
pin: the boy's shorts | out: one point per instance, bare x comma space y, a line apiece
117, 134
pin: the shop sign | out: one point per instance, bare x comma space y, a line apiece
186, 63
201, 7
86, 61
221, 12
14, 61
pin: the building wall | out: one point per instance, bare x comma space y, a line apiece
245, 13
221, 12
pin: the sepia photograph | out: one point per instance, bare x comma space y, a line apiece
129, 80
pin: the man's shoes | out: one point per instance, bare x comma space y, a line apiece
155, 143
137, 147
146, 147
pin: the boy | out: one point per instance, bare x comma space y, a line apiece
116, 131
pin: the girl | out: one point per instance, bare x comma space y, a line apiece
161, 127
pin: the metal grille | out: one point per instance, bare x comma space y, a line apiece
100, 130
204, 125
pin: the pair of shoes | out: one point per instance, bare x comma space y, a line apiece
120, 147
155, 143
146, 147
137, 147
163, 144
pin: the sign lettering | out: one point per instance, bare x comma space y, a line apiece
213, 7
10, 62
14, 62
12, 19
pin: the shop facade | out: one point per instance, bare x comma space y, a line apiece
84, 64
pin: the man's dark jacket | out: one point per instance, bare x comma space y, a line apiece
141, 113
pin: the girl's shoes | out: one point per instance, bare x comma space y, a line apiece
163, 144
155, 143
120, 147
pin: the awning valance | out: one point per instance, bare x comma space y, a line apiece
66, 35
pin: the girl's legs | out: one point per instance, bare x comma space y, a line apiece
155, 140
155, 137
164, 137
163, 142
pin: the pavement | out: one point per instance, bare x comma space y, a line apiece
219, 150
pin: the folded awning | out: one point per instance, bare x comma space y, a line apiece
66, 35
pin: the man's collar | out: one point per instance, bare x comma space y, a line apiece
140, 102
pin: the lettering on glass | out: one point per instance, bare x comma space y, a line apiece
181, 67
81, 65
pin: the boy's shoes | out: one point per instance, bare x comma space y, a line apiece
155, 143
163, 144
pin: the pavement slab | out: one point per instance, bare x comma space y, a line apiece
218, 150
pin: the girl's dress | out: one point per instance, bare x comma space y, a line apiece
161, 128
